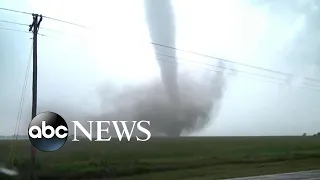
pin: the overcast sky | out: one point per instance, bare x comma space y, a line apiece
74, 62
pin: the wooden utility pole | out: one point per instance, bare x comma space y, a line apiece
34, 27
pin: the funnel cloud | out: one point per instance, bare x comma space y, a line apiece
160, 19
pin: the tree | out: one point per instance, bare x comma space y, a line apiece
304, 134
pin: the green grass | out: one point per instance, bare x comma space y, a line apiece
179, 158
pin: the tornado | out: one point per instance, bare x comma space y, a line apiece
178, 103
161, 23
174, 105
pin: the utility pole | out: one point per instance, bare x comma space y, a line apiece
34, 27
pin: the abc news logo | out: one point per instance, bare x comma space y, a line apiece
48, 131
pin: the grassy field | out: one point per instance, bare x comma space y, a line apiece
165, 158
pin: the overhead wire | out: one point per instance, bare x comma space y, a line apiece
192, 52
20, 109
15, 30
16, 11
66, 22
218, 71
211, 65
244, 72
207, 64
21, 31
51, 18
174, 48
22, 24
311, 85
310, 89
212, 57
16, 23
264, 80
312, 79
183, 50
220, 59
235, 70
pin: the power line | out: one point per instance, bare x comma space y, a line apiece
67, 22
8, 29
54, 19
213, 70
61, 32
220, 59
312, 79
235, 70
229, 61
17, 127
249, 73
307, 84
16, 11
244, 72
21, 31
166, 46
196, 53
214, 65
310, 89
203, 55
279, 83
22, 24
16, 23
201, 63
210, 65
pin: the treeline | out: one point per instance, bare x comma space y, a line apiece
318, 134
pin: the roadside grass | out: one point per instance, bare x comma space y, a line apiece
170, 158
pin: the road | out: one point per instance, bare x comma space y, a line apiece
302, 175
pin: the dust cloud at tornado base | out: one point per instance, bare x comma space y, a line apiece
200, 101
